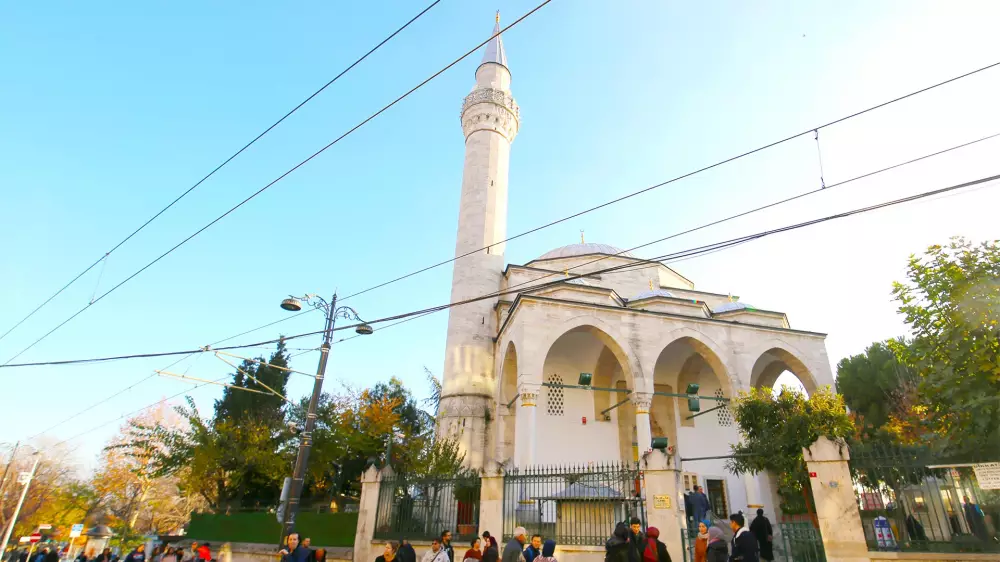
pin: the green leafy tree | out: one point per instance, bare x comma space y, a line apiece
951, 301
237, 404
875, 385
775, 429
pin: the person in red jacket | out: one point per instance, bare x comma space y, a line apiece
205, 552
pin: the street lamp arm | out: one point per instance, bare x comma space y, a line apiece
347, 313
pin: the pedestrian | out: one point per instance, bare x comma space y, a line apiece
405, 553
137, 555
534, 549
514, 551
104, 556
436, 553
548, 552
319, 555
205, 552
699, 502
51, 556
192, 554
617, 547
294, 552
82, 557
975, 518
744, 543
389, 554
446, 545
474, 553
636, 540
490, 551
716, 550
915, 529
701, 541
654, 550
761, 528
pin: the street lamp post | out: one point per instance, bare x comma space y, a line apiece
294, 304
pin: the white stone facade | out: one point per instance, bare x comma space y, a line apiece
641, 331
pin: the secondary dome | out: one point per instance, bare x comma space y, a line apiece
651, 294
731, 306
582, 250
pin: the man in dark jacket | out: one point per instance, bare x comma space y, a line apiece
137, 555
699, 501
617, 547
761, 529
406, 552
534, 549
514, 551
744, 543
636, 540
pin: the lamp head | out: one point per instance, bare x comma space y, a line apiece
291, 304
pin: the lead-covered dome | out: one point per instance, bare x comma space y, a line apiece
583, 249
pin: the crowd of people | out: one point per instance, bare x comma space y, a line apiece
161, 553
628, 543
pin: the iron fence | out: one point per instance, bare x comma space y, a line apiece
575, 505
801, 542
913, 500
422, 508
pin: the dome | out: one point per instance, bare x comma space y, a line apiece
583, 249
731, 306
651, 294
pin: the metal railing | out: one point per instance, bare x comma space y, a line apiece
422, 508
912, 500
575, 505
801, 542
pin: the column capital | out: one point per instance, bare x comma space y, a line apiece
641, 401
528, 392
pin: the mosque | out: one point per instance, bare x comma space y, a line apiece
572, 364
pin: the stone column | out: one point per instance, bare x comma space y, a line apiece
371, 485
836, 507
664, 503
644, 435
491, 503
525, 436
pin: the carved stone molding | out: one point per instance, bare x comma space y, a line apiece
641, 401
528, 393
490, 109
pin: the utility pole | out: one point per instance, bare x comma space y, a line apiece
292, 304
3, 481
17, 510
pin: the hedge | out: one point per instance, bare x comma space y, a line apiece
325, 529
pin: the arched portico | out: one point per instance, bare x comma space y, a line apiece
774, 361
506, 394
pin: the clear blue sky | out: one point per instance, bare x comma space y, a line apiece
112, 109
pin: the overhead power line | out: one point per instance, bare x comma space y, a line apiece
675, 179
278, 179
660, 259
675, 235
220, 166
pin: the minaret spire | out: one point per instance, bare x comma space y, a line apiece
494, 49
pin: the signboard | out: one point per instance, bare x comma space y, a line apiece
872, 501
661, 502
44, 527
23, 478
988, 475
883, 533
35, 537
76, 530
25, 539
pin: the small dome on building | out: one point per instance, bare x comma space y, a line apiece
583, 249
731, 306
651, 294
99, 531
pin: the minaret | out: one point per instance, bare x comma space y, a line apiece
490, 118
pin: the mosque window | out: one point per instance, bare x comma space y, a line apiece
725, 415
554, 396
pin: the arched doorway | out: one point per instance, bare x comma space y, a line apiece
581, 425
704, 434
506, 407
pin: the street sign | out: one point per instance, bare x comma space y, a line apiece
988, 475
23, 477
25, 539
76, 530
44, 527
35, 537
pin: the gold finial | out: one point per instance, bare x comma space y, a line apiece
731, 299
581, 238
498, 16
650, 283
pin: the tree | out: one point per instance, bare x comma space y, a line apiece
775, 429
951, 301
55, 483
260, 378
876, 386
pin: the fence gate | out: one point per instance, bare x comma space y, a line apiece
801, 542
575, 505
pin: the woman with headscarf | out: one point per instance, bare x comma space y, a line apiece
654, 550
617, 548
548, 552
701, 541
717, 550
